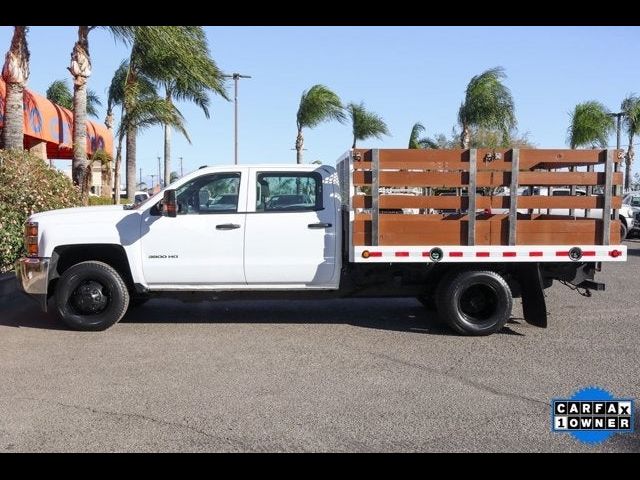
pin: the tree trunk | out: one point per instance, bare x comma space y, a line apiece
80, 69
15, 73
299, 146
131, 162
465, 137
14, 117
167, 148
354, 142
628, 164
116, 173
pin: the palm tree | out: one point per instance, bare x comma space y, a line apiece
59, 92
191, 79
365, 124
164, 53
317, 105
488, 104
15, 73
417, 142
631, 109
145, 110
590, 126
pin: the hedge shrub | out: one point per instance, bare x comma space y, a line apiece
27, 185
100, 201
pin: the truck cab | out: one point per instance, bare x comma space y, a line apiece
244, 227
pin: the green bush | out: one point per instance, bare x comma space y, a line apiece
100, 201
27, 185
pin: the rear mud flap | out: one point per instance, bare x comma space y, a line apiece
534, 306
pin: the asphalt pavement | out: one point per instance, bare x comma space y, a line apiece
338, 375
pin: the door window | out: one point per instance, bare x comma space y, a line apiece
217, 193
288, 192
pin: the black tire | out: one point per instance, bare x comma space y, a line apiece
624, 231
91, 296
474, 302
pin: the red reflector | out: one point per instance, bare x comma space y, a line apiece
455, 254
589, 253
535, 254
508, 254
402, 254
482, 254
615, 253
375, 254
426, 254
562, 254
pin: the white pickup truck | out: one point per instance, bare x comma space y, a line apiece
273, 231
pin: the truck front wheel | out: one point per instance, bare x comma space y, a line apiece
475, 302
91, 296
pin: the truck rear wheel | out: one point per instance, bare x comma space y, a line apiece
91, 296
475, 302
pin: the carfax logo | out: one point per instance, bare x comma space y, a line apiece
592, 415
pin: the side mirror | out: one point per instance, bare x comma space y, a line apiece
169, 204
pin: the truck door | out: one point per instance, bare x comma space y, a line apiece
204, 244
291, 229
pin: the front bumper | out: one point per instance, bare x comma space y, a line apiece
33, 278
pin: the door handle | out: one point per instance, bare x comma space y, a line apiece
227, 226
319, 225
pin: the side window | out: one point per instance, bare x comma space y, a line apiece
217, 193
288, 192
635, 201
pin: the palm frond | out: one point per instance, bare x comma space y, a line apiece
590, 126
317, 105
93, 102
366, 124
177, 54
631, 109
414, 137
151, 111
60, 93
488, 102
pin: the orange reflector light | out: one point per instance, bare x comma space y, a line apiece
32, 249
31, 238
365, 254
31, 229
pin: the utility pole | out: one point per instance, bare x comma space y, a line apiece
159, 177
152, 177
236, 77
140, 175
181, 170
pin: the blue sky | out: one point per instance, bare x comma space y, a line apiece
405, 74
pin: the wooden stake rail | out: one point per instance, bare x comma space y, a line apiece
429, 172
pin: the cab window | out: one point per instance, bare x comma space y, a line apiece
209, 194
288, 192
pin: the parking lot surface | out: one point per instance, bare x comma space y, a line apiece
339, 375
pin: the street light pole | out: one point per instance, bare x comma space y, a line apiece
236, 77
181, 170
160, 184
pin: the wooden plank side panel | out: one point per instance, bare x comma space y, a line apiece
453, 203
484, 179
396, 230
457, 159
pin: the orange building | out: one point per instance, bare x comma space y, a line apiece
48, 131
